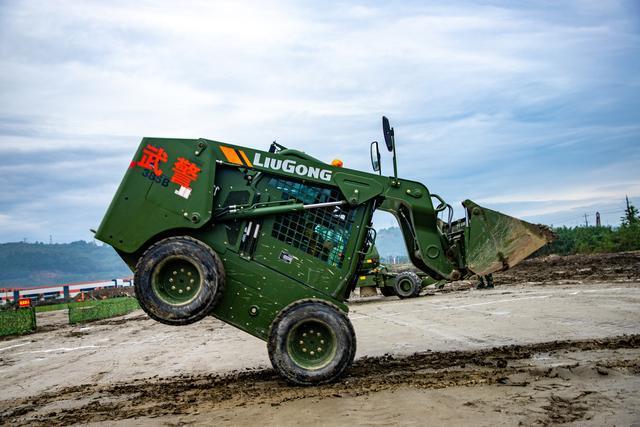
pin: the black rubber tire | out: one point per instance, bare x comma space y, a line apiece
411, 278
290, 317
201, 256
388, 291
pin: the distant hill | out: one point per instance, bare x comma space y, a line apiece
33, 264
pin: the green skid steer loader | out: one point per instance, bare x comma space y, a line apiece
271, 242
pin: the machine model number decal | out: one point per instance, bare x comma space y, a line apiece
161, 179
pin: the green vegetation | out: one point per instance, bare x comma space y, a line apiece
584, 240
33, 264
22, 321
581, 240
630, 216
103, 309
14, 322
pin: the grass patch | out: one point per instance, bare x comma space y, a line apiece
89, 311
16, 322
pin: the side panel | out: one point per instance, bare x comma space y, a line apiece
169, 184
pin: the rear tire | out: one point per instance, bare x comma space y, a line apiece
408, 285
311, 342
179, 280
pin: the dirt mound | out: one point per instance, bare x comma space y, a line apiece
105, 293
623, 266
190, 394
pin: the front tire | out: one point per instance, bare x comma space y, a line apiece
179, 280
311, 342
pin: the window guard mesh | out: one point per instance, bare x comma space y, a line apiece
323, 232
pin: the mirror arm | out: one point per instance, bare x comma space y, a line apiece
395, 182
390, 140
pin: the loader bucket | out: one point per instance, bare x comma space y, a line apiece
496, 242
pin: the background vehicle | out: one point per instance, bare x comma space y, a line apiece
374, 275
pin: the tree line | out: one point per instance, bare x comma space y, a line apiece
581, 240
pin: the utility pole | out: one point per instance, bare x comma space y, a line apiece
598, 224
586, 221
630, 213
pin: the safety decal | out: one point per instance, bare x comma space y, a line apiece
237, 157
287, 257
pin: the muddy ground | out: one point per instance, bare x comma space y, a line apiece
592, 381
542, 348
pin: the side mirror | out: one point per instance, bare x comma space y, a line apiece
375, 156
387, 130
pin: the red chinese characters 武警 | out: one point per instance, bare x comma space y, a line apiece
151, 158
184, 172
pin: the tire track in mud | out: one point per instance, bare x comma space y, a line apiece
191, 394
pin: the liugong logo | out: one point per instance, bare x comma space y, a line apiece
291, 166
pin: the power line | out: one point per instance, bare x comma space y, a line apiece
613, 211
580, 217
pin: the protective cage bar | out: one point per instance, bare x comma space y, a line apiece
319, 231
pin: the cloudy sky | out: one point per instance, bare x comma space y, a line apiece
532, 108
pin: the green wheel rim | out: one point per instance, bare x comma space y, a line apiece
406, 285
312, 344
176, 280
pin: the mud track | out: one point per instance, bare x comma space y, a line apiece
189, 395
